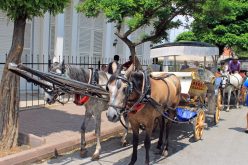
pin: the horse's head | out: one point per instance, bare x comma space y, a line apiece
224, 80
59, 68
121, 91
51, 95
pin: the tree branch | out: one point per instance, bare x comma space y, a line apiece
124, 39
161, 25
147, 14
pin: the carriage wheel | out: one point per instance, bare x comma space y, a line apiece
199, 125
243, 95
217, 115
218, 108
219, 100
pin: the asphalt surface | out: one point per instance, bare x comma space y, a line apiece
222, 144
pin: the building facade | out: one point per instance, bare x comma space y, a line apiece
67, 35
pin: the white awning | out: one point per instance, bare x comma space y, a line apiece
184, 49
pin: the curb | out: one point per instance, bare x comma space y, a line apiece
49, 150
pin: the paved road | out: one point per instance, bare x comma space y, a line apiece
224, 144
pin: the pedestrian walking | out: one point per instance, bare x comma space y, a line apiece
127, 64
114, 65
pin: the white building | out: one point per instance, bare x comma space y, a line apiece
68, 34
71, 36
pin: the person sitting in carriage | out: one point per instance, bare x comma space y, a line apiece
234, 65
223, 67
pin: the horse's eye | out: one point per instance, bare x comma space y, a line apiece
125, 89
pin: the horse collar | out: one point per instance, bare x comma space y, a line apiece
137, 108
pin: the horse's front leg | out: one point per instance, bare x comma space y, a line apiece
97, 116
228, 100
238, 99
161, 132
147, 142
83, 151
223, 99
135, 129
168, 126
124, 137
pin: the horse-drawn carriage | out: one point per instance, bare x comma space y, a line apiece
199, 93
142, 97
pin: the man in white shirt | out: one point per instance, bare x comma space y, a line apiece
155, 66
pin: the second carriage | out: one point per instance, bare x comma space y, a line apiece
200, 95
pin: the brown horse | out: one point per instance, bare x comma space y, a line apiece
144, 99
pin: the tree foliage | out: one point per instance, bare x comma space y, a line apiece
159, 15
31, 8
18, 11
187, 36
222, 22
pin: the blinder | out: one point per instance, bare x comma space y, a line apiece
127, 90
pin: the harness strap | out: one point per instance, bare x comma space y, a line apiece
146, 96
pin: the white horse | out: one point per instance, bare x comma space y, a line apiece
94, 106
231, 83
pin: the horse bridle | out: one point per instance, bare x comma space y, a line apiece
228, 80
128, 91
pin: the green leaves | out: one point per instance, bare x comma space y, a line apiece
136, 14
222, 22
30, 8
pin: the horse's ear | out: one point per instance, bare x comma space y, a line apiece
129, 70
63, 67
115, 68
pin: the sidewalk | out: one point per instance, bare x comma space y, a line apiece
58, 126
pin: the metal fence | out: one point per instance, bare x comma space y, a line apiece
32, 96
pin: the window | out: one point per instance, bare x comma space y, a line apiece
90, 37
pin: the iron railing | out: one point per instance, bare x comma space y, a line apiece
32, 96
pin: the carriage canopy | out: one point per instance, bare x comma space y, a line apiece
186, 48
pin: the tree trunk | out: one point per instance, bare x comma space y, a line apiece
134, 57
9, 89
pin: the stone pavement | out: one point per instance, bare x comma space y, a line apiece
58, 126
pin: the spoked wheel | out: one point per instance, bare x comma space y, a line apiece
218, 108
219, 100
217, 116
243, 95
199, 125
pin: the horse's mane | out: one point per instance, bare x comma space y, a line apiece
137, 79
79, 74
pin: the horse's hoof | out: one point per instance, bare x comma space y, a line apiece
131, 163
227, 110
95, 157
124, 144
83, 153
165, 153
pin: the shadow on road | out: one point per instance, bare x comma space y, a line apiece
239, 129
43, 122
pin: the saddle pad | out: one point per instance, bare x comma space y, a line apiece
184, 114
